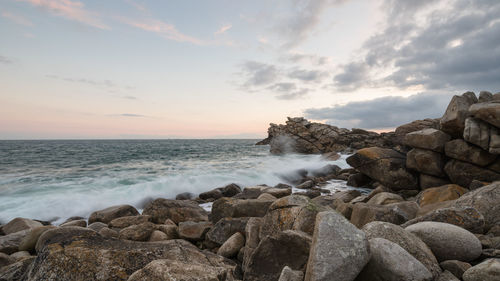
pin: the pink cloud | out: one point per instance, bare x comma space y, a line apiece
17, 19
165, 30
223, 29
72, 10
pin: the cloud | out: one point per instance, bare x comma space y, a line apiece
293, 95
6, 60
131, 115
385, 112
295, 57
223, 29
258, 74
106, 84
72, 10
163, 29
307, 75
448, 45
18, 19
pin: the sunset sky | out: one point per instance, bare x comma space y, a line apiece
226, 69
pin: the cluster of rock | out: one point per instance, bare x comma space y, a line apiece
301, 136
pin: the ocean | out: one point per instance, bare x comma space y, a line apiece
52, 180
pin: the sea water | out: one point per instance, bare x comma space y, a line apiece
55, 179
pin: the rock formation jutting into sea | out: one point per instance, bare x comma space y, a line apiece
432, 213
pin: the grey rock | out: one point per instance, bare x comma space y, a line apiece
29, 241
428, 181
128, 221
453, 119
19, 224
237, 208
358, 180
108, 233
487, 111
447, 276
395, 213
425, 161
194, 231
488, 270
288, 274
457, 268
10, 243
278, 192
485, 96
184, 196
108, 214
447, 241
486, 200
429, 139
416, 125
465, 217
81, 223
96, 226
170, 230
461, 150
232, 246
20, 255
225, 228
339, 250
252, 231
463, 173
17, 270
139, 232
494, 144
6, 260
477, 132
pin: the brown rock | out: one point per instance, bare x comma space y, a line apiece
465, 217
128, 221
461, 150
237, 208
80, 223
427, 181
232, 246
477, 132
139, 232
10, 243
487, 111
457, 268
29, 241
170, 230
194, 231
440, 194
158, 236
453, 119
176, 210
363, 213
108, 233
19, 224
225, 228
429, 139
463, 173
425, 161
385, 198
486, 200
111, 213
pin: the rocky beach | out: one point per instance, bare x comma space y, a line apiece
424, 204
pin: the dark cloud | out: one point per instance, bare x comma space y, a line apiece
308, 75
300, 58
385, 112
5, 60
431, 44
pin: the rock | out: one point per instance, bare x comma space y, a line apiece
453, 119
128, 221
465, 217
339, 250
96, 226
108, 233
159, 270
485, 96
6, 260
194, 231
185, 196
487, 111
230, 190
487, 270
425, 161
176, 210
287, 274
447, 241
212, 194
306, 185
363, 213
477, 132
89, 256
232, 246
390, 262
457, 268
358, 180
251, 192
266, 197
19, 224
429, 139
427, 181
225, 228
252, 231
416, 125
441, 194
10, 243
486, 200
237, 208
28, 243
20, 255
170, 230
408, 241
463, 173
289, 248
384, 165
447, 276
461, 150
311, 193
329, 170
139, 232
80, 223
494, 145
331, 156
17, 270
385, 198
278, 192
111, 213
51, 235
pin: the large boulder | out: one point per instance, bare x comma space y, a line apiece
176, 210
10, 243
454, 117
457, 268
339, 250
19, 224
447, 241
441, 194
390, 262
463, 173
463, 151
385, 198
128, 221
477, 132
29, 241
487, 270
408, 241
486, 200
487, 111
232, 246
111, 213
465, 217
289, 248
17, 270
237, 208
194, 231
89, 256
384, 165
417, 125
51, 235
429, 139
139, 232
396, 213
225, 228
425, 161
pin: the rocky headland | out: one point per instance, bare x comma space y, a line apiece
432, 213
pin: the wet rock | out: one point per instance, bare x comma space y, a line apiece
486, 200
230, 190
176, 210
251, 192
390, 262
185, 196
358, 180
325, 171
457, 268
477, 132
311, 193
427, 181
487, 111
465, 217
194, 231
212, 194
461, 150
139, 232
287, 274
463, 173
289, 248
384, 165
385, 198
441, 194
453, 119
111, 213
10, 243
429, 139
232, 246
237, 208
425, 161
17, 270
487, 270
408, 241
447, 241
306, 185
128, 221
225, 228
338, 251
19, 224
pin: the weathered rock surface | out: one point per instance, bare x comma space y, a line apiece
417, 125
128, 221
339, 250
461, 150
289, 248
390, 262
487, 111
465, 217
194, 231
463, 173
111, 213
441, 194
486, 200
81, 223
487, 270
158, 235
385, 198
384, 165
447, 241
225, 228
17, 270
429, 139
287, 274
28, 243
231, 247
396, 213
19, 224
176, 210
477, 132
457, 268
453, 119
237, 208
139, 232
408, 241
97, 226
10, 243
447, 276
425, 161
55, 234
5, 260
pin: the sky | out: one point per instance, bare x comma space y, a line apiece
226, 69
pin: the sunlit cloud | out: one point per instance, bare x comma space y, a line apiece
165, 30
223, 29
18, 19
71, 10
